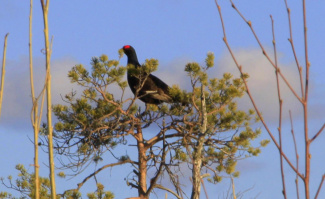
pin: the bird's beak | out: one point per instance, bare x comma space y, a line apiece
121, 53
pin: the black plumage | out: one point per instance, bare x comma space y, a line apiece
154, 90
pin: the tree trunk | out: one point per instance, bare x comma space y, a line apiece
197, 156
196, 171
142, 176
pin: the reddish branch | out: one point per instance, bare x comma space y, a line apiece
264, 52
320, 186
280, 109
305, 107
318, 133
297, 155
250, 95
294, 50
303, 99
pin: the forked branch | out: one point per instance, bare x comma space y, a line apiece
265, 53
250, 95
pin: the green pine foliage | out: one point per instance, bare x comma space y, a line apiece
229, 135
101, 118
100, 193
83, 120
25, 184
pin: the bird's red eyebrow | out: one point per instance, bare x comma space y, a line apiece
127, 46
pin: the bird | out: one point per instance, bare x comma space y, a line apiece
153, 90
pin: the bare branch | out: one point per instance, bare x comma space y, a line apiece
318, 133
205, 190
265, 53
320, 186
3, 69
250, 95
280, 109
297, 155
169, 190
100, 169
153, 180
294, 50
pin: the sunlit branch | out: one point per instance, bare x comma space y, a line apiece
3, 70
249, 23
249, 93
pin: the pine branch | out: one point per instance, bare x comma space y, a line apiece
169, 190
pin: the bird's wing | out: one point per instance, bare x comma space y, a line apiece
158, 89
159, 96
159, 83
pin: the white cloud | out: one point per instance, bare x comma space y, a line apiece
17, 101
173, 72
262, 82
17, 96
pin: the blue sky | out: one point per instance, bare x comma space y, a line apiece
175, 32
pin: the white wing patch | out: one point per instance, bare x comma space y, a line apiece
159, 96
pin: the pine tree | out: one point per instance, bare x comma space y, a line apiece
166, 135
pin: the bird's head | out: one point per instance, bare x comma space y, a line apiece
128, 50
131, 54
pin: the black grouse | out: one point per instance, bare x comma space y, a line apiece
153, 91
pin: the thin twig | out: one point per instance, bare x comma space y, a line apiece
318, 133
250, 95
169, 190
297, 155
264, 52
280, 109
153, 180
320, 186
233, 188
79, 185
294, 50
205, 190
